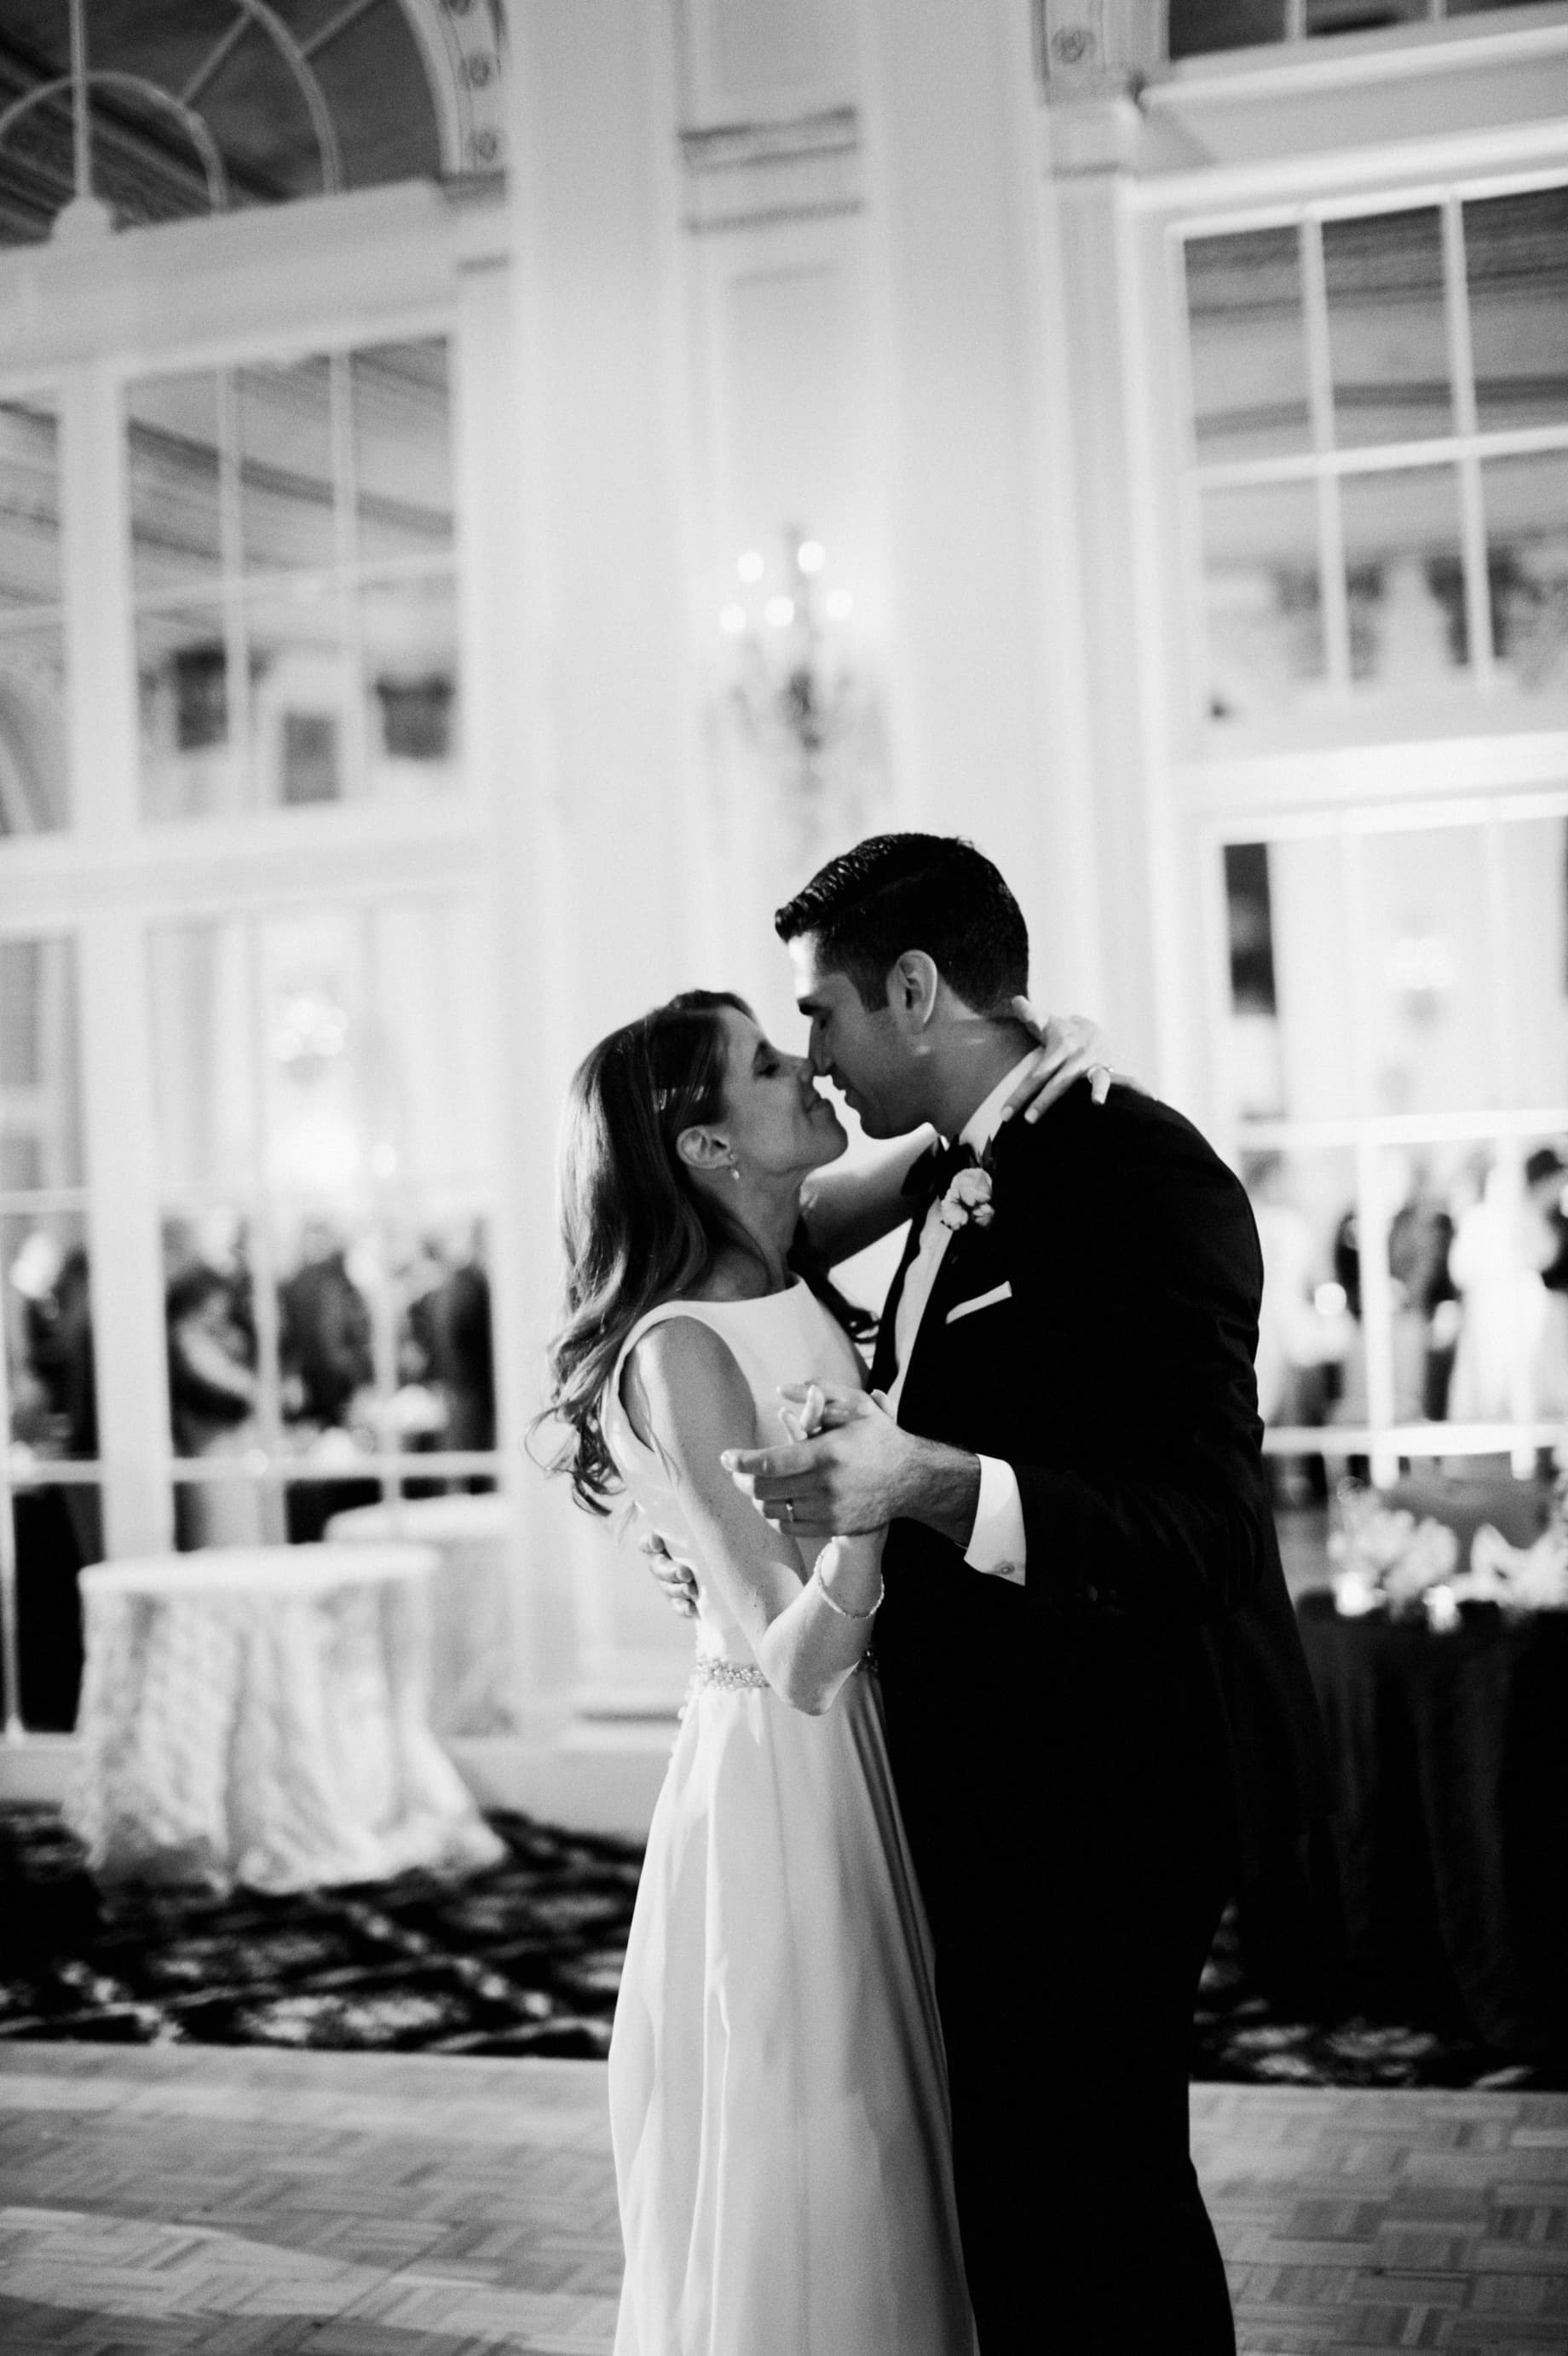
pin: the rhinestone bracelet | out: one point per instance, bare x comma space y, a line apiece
842, 1609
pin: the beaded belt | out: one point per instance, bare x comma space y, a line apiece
738, 1676
731, 1677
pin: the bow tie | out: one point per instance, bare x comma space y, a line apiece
931, 1176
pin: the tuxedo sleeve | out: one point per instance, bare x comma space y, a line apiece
1157, 1506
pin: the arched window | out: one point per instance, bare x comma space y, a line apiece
111, 119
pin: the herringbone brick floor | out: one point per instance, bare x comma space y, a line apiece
247, 2202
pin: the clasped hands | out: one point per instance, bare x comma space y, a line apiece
856, 1471
849, 1475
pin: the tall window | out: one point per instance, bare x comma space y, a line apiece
50, 1518
303, 1215
292, 571
1395, 1020
33, 797
1378, 477
326, 1176
1375, 530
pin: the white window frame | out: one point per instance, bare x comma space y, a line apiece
1209, 784
1382, 1438
108, 878
1323, 464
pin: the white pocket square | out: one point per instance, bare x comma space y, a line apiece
1003, 1291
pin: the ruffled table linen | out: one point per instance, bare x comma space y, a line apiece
474, 1663
260, 1715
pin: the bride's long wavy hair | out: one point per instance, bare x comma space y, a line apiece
635, 1229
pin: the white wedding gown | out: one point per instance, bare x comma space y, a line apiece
777, 2092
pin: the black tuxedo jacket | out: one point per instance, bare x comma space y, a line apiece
1147, 1681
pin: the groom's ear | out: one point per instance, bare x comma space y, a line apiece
700, 1148
915, 984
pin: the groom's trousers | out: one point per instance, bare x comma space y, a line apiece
1069, 1948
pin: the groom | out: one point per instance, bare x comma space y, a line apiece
1097, 1707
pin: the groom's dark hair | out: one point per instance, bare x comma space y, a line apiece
898, 892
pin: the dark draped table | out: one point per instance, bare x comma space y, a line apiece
1450, 1758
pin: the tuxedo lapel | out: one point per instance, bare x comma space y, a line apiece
884, 1358
975, 1262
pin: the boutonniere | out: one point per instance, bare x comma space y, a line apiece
968, 1197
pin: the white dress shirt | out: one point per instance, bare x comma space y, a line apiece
997, 1544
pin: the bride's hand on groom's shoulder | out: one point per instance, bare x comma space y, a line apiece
1069, 1052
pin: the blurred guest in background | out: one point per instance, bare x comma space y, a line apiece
1512, 1357
324, 1337
1296, 1344
327, 1364
1424, 1315
56, 1322
212, 1406
59, 1525
1425, 1319
1545, 1175
457, 1321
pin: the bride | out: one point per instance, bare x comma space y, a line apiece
777, 2094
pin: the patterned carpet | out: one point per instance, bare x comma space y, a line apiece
524, 1959
1245, 2036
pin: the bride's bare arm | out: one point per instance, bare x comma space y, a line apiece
845, 1209
685, 1391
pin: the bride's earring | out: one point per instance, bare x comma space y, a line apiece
735, 1172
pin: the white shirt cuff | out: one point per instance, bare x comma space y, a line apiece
997, 1543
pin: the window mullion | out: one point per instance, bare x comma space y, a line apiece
345, 508
1320, 388
1472, 518
262, 1245
237, 667
122, 1232
1372, 1205
100, 657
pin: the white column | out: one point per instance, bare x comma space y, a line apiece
604, 518
101, 687
118, 1106
123, 1239
486, 440
601, 860
1113, 327
989, 719
1136, 859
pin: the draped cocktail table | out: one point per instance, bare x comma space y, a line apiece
475, 1656
260, 1715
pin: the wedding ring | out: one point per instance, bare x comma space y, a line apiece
789, 1511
